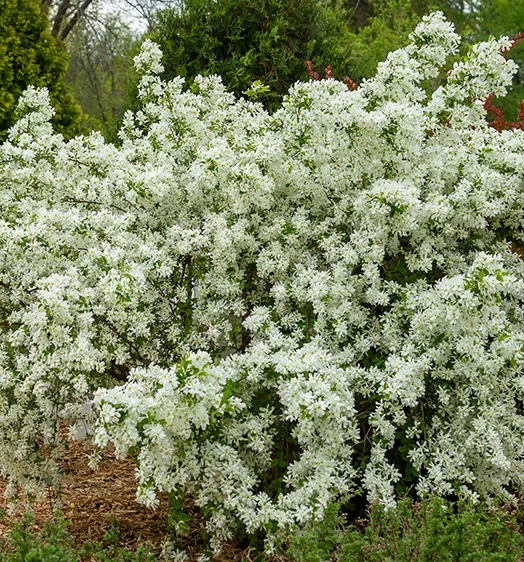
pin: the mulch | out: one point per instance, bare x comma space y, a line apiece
93, 500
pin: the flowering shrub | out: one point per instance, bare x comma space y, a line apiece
299, 306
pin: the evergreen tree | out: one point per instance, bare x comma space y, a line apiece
30, 55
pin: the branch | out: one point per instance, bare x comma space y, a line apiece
88, 202
61, 13
74, 20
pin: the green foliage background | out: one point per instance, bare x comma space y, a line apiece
100, 72
506, 17
243, 41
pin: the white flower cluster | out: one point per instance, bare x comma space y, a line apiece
299, 306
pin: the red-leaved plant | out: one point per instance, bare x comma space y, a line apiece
328, 74
499, 121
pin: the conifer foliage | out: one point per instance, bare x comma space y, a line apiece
31, 56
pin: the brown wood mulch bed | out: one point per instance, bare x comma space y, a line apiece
91, 500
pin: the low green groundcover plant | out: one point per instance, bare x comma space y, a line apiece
53, 543
433, 530
273, 312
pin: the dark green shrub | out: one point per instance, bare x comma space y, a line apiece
245, 41
25, 544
